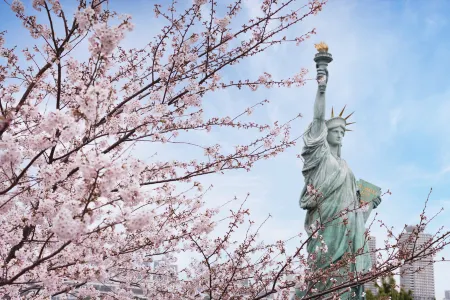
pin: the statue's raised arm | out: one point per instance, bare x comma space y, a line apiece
322, 59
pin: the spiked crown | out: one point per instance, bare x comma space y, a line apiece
334, 122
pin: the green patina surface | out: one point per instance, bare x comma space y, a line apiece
327, 172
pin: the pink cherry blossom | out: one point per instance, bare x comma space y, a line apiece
17, 6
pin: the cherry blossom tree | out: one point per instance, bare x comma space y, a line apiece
77, 205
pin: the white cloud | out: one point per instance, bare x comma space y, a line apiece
395, 117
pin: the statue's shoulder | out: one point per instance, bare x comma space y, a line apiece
344, 164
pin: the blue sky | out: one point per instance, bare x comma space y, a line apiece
390, 67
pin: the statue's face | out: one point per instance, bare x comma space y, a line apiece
335, 136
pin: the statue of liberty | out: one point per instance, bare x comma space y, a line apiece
324, 170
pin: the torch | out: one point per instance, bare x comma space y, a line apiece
322, 59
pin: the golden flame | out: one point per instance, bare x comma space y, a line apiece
321, 47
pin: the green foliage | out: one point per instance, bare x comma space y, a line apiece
369, 295
387, 290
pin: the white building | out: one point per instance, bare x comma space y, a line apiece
372, 243
110, 287
447, 295
418, 277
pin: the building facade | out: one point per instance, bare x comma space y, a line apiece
372, 243
109, 288
418, 277
447, 295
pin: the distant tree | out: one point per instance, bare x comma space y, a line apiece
370, 295
387, 290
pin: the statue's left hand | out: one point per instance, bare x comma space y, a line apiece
376, 202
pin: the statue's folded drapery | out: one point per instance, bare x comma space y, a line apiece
334, 179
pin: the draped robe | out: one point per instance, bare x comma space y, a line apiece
335, 180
